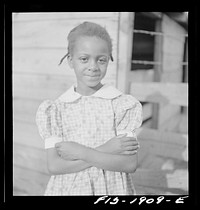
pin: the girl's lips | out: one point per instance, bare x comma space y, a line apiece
92, 75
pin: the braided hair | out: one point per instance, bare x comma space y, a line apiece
87, 29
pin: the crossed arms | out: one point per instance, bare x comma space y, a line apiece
117, 154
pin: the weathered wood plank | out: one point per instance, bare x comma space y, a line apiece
150, 178
40, 61
41, 16
156, 182
24, 106
172, 75
24, 118
30, 158
41, 87
162, 136
159, 145
141, 75
167, 93
166, 112
144, 190
28, 182
54, 34
178, 123
27, 134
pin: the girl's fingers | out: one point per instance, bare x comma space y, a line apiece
131, 148
130, 152
121, 135
127, 139
131, 143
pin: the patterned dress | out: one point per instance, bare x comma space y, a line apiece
91, 121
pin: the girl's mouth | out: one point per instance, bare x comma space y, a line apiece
93, 75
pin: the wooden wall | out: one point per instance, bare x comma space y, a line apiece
39, 42
172, 58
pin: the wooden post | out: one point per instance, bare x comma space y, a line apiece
186, 61
125, 39
157, 72
185, 71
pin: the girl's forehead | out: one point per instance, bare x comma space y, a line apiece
91, 44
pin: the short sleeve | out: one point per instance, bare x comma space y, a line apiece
128, 115
48, 120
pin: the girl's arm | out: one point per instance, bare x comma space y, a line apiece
111, 162
116, 145
117, 161
57, 165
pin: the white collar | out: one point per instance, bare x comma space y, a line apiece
106, 92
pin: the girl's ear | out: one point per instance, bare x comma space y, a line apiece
69, 59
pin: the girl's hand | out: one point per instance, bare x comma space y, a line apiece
69, 150
121, 145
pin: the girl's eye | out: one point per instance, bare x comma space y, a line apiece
102, 61
83, 59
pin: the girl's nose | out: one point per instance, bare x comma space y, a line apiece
93, 66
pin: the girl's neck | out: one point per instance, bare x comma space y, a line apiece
87, 91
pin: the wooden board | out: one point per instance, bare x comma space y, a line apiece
178, 123
24, 106
32, 33
141, 75
28, 182
166, 93
27, 134
42, 16
165, 145
40, 87
157, 182
30, 158
162, 136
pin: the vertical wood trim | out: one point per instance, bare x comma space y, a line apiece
158, 57
185, 73
124, 50
186, 60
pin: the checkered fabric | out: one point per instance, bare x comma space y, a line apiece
90, 121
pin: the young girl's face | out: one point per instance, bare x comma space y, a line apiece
89, 60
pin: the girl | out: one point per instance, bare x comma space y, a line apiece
89, 131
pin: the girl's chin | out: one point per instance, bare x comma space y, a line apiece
93, 83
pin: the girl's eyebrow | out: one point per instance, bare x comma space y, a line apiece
85, 54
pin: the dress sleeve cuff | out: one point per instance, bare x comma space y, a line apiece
51, 141
129, 133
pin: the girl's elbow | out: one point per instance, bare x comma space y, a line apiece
52, 169
132, 166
